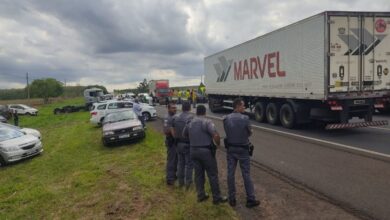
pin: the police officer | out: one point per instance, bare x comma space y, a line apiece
171, 167
237, 129
185, 168
202, 132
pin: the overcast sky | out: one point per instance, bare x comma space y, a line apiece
117, 43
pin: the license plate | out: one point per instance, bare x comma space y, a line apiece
359, 102
124, 136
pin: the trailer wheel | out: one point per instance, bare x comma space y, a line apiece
287, 116
211, 105
260, 115
272, 113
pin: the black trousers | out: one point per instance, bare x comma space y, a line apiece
171, 167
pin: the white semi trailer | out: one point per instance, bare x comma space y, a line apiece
330, 67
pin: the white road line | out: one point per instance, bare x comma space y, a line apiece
318, 140
388, 129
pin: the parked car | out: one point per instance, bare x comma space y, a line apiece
23, 109
100, 110
16, 145
31, 131
4, 111
3, 120
70, 109
120, 126
145, 98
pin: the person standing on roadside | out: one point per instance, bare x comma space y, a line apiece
138, 111
185, 168
193, 98
237, 129
202, 135
171, 167
16, 118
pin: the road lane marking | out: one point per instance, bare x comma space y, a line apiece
387, 156
388, 129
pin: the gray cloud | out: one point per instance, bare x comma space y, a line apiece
118, 43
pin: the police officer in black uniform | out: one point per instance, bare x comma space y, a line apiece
185, 168
202, 132
237, 129
171, 167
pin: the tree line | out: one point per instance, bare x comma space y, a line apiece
46, 88
51, 88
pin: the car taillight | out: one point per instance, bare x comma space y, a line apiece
93, 113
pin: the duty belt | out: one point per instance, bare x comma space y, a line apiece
181, 140
238, 145
205, 146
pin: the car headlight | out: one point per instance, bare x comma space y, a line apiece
108, 133
137, 128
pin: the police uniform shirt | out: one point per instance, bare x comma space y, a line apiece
179, 123
168, 120
237, 128
200, 131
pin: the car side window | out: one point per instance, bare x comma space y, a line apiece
113, 105
127, 105
102, 107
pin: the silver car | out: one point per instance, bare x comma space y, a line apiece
16, 145
121, 126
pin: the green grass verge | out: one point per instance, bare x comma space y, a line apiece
77, 177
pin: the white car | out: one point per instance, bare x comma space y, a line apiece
16, 145
146, 98
100, 110
31, 131
23, 109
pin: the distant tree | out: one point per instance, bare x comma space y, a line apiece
143, 86
98, 86
46, 88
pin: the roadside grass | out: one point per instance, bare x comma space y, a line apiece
76, 177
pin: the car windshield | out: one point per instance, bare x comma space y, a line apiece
119, 116
24, 106
7, 133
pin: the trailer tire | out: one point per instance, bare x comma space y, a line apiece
260, 109
272, 113
287, 116
211, 105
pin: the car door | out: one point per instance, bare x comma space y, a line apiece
101, 110
21, 110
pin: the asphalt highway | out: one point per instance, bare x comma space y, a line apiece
350, 168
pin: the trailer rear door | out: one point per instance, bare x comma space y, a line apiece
359, 58
376, 54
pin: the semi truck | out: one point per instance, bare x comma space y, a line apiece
330, 67
160, 90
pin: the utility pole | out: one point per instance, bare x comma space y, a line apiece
28, 87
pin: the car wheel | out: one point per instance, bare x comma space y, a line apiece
2, 162
28, 113
57, 111
105, 143
146, 116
